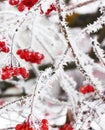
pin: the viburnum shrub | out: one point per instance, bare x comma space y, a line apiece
86, 89
3, 47
9, 72
47, 25
30, 56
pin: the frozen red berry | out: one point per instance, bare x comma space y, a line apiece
24, 73
21, 7
2, 44
5, 49
44, 121
13, 2
90, 88
9, 72
23, 126
18, 51
29, 3
30, 56
86, 89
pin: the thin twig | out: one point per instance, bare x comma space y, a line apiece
18, 100
81, 4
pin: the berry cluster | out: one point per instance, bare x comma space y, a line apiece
44, 124
30, 56
23, 126
3, 47
51, 8
26, 125
8, 72
23, 3
66, 127
86, 89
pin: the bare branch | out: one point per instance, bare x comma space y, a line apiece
81, 4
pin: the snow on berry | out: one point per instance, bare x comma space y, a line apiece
30, 56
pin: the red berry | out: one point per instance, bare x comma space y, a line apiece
37, 55
7, 67
2, 44
23, 126
24, 72
27, 55
38, 61
13, 2
26, 75
29, 3
44, 121
33, 57
18, 51
83, 89
5, 75
86, 89
90, 89
15, 71
5, 49
34, 1
22, 55
21, 7
18, 127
